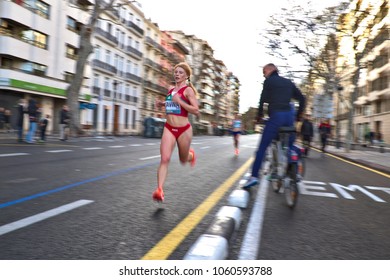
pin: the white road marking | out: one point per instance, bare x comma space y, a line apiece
114, 147
93, 148
135, 145
14, 154
42, 216
59, 151
205, 147
251, 242
146, 158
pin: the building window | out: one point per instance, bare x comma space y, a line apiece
108, 56
97, 52
34, 68
71, 52
68, 77
71, 24
35, 38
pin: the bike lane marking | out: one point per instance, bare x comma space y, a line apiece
165, 247
252, 238
42, 216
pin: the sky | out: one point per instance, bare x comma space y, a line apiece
231, 28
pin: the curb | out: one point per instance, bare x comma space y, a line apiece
214, 243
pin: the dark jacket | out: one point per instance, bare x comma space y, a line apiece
324, 129
278, 93
64, 117
32, 110
307, 128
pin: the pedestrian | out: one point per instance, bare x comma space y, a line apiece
180, 100
307, 133
324, 129
21, 110
7, 120
33, 116
2, 118
43, 126
236, 131
64, 123
278, 93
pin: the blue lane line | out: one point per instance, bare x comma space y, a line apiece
66, 187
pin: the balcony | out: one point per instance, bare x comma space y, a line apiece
134, 52
132, 26
154, 87
150, 63
106, 36
98, 64
133, 78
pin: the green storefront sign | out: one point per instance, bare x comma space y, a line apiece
42, 88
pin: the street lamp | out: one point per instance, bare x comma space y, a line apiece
114, 83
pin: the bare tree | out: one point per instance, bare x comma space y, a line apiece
297, 35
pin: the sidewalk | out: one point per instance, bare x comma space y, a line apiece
374, 158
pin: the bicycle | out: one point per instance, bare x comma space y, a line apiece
287, 165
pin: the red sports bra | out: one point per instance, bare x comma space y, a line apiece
173, 107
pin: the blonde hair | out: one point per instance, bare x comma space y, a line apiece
188, 71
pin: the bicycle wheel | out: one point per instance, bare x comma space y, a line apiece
290, 186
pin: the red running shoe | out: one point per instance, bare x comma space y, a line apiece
158, 195
193, 161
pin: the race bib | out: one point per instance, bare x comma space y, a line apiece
172, 107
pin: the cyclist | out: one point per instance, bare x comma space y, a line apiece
278, 93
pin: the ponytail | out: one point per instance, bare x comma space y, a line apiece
193, 88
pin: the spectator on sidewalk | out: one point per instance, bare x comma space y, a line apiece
64, 123
324, 129
2, 118
33, 115
7, 120
42, 126
307, 132
21, 109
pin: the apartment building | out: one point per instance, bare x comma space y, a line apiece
366, 50
217, 87
117, 72
38, 48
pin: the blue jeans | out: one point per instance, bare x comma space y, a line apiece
270, 132
31, 132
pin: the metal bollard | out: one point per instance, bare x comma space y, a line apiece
382, 147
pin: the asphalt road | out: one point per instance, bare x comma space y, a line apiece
91, 199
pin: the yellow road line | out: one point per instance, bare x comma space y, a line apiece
356, 164
164, 248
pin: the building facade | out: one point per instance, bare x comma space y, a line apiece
364, 63
131, 65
